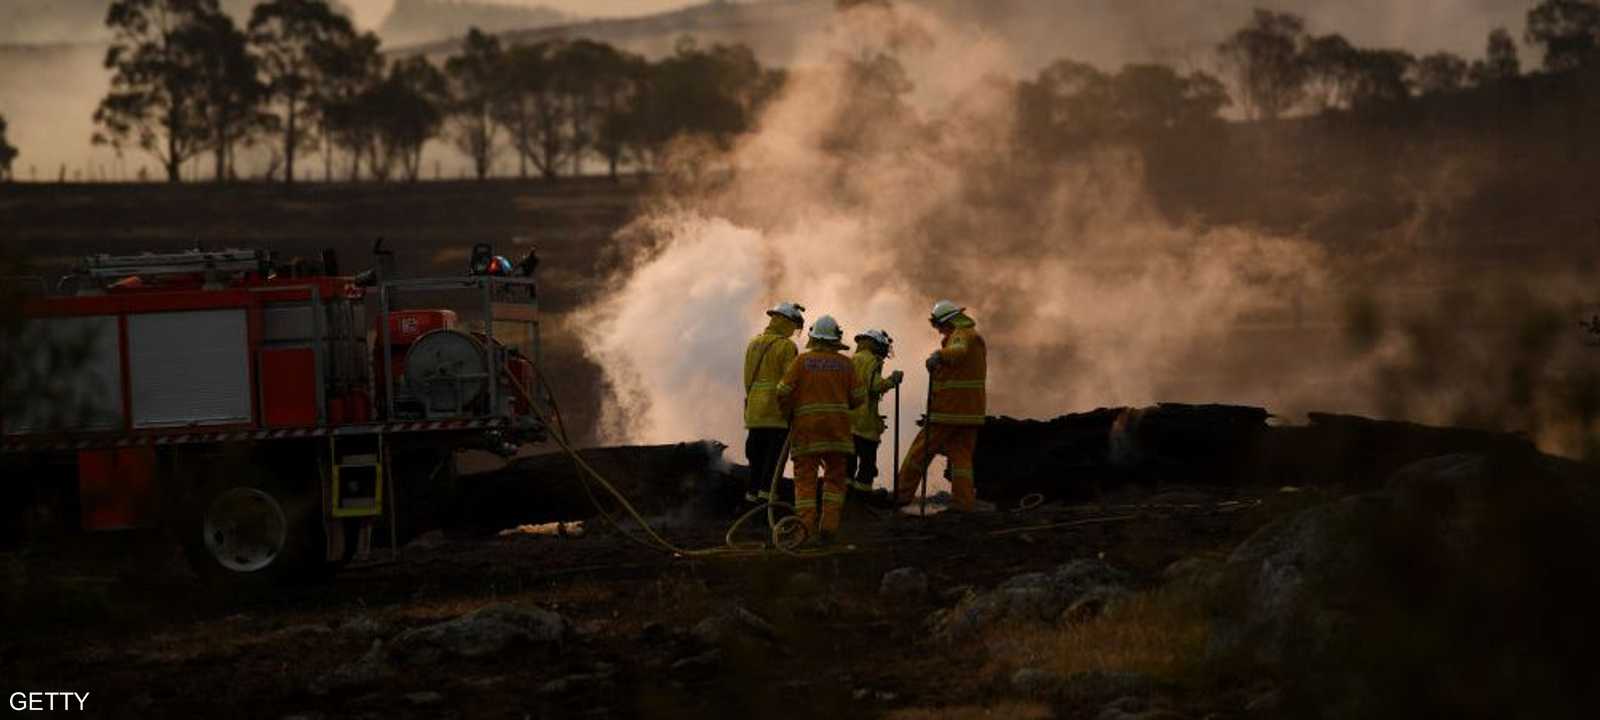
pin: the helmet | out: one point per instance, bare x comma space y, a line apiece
878, 336
943, 311
791, 310
827, 329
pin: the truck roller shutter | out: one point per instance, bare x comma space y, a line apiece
189, 368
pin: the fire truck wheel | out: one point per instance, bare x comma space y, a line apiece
251, 533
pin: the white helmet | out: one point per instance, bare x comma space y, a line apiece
878, 336
791, 310
827, 329
943, 311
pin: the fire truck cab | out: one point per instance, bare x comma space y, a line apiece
253, 409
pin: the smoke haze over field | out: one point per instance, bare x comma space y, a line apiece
1088, 294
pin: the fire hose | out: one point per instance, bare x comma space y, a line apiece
787, 534
784, 539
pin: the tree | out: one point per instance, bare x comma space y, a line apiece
1381, 78
288, 37
157, 98
1331, 71
8, 152
477, 84
405, 111
1065, 107
231, 93
348, 68
594, 81
619, 79
874, 113
1071, 106
1265, 58
712, 93
1149, 100
531, 107
1569, 30
1500, 60
1440, 72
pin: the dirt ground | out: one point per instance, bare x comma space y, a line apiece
145, 638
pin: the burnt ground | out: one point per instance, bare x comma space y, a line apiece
120, 616
147, 640
1144, 491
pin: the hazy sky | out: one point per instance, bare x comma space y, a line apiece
370, 12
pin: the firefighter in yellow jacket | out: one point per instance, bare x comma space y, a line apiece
866, 424
819, 390
956, 408
766, 358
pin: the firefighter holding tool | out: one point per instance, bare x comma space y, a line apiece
956, 408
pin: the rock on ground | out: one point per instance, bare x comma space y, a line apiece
480, 633
364, 627
1195, 573
1479, 569
907, 583
1031, 597
736, 627
368, 670
1034, 682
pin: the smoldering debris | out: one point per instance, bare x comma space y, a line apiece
1072, 458
688, 480
1080, 456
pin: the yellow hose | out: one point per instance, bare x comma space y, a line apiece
654, 539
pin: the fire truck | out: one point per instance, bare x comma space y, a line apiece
251, 408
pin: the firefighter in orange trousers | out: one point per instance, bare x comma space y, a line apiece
956, 408
866, 425
766, 357
819, 391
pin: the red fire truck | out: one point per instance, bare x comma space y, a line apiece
250, 408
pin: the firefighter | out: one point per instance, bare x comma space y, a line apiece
866, 425
956, 407
766, 358
819, 391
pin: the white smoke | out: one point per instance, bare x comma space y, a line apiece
1086, 295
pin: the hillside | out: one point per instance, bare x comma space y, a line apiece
1107, 33
775, 30
43, 22
415, 21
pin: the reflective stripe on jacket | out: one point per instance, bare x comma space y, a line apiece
958, 384
870, 386
820, 388
766, 357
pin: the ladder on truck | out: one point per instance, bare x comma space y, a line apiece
357, 466
106, 266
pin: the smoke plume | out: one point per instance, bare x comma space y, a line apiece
868, 208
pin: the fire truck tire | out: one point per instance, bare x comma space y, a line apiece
253, 532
